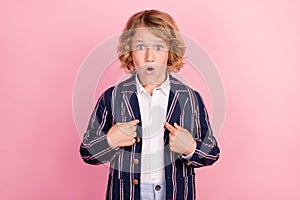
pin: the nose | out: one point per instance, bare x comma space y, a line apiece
149, 55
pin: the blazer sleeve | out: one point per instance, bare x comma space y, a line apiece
94, 148
207, 151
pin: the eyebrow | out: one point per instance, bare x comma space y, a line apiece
137, 41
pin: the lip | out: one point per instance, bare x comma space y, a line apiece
149, 70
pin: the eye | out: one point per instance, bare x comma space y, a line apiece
159, 47
140, 47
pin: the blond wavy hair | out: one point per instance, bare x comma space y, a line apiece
162, 25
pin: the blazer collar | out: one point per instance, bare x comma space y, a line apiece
129, 88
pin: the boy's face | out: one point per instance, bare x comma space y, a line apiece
150, 57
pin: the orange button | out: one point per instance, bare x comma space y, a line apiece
135, 181
136, 161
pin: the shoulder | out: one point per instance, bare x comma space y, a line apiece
111, 92
108, 92
104, 99
178, 85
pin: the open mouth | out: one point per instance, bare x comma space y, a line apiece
149, 69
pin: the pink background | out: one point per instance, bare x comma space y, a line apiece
255, 47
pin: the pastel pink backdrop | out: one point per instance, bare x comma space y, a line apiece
255, 46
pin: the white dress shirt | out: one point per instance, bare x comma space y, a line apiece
153, 111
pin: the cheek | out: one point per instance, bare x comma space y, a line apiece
136, 59
164, 57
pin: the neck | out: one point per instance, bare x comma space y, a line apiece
149, 87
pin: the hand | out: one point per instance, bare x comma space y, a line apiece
122, 134
181, 141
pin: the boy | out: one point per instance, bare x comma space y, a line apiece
153, 129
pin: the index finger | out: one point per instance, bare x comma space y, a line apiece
170, 127
133, 122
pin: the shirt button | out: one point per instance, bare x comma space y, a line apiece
135, 181
136, 161
157, 187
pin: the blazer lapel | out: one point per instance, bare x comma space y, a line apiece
174, 107
128, 91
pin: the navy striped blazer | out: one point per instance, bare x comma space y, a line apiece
120, 104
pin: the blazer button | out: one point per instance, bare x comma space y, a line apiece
136, 161
135, 181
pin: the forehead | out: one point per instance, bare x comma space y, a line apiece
146, 35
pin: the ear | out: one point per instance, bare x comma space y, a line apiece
130, 66
170, 62
131, 69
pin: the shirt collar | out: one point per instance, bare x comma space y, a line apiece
165, 86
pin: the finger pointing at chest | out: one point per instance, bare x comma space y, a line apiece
171, 128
